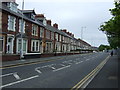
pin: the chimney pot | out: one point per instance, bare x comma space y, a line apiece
49, 22
55, 25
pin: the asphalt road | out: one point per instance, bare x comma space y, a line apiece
65, 72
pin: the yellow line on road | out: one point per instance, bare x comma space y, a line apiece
28, 63
90, 75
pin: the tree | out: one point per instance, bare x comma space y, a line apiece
112, 27
104, 47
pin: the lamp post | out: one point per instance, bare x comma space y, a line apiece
22, 24
82, 32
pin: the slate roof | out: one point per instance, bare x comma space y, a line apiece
19, 14
28, 11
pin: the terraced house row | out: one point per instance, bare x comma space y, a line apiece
40, 37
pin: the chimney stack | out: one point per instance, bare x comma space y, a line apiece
49, 22
39, 16
55, 25
64, 30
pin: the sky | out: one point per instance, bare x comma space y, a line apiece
75, 14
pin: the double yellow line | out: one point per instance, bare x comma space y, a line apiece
90, 75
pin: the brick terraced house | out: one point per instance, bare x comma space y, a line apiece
40, 38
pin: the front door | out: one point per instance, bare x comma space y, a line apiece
10, 45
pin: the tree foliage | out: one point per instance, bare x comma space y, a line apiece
104, 47
112, 27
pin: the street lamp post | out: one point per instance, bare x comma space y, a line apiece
82, 32
22, 24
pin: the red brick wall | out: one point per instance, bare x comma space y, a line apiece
4, 21
10, 57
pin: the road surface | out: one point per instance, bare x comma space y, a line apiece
73, 71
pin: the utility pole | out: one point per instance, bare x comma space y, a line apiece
82, 32
22, 24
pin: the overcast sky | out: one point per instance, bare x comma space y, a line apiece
75, 14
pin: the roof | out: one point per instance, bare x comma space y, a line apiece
19, 14
51, 28
29, 11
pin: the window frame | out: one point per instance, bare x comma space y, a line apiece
35, 47
20, 21
3, 43
41, 32
34, 30
11, 19
24, 51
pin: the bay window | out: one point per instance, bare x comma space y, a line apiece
35, 45
19, 45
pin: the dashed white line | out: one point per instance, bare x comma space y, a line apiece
79, 62
87, 59
19, 81
61, 68
52, 67
62, 64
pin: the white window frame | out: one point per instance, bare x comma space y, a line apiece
34, 30
56, 37
60, 38
13, 6
25, 52
63, 39
2, 38
52, 35
20, 25
47, 34
11, 20
41, 32
12, 43
49, 45
35, 41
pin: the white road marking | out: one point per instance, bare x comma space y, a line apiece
19, 81
87, 59
36, 69
44, 66
62, 64
79, 62
61, 68
52, 67
64, 61
7, 74
16, 76
69, 63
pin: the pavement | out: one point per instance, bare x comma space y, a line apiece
108, 77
